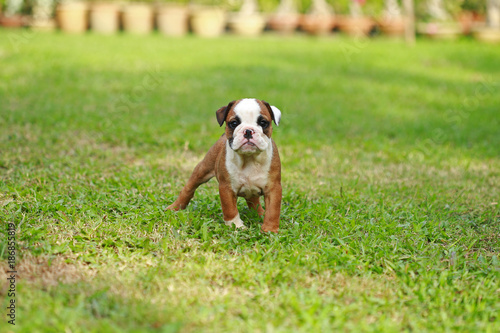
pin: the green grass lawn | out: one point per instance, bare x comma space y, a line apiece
391, 173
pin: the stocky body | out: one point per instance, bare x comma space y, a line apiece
245, 161
249, 174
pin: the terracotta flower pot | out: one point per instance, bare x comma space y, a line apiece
393, 27
208, 21
72, 17
15, 21
466, 20
172, 20
247, 25
39, 25
356, 26
486, 34
284, 22
104, 18
469, 21
317, 24
137, 18
41, 15
440, 30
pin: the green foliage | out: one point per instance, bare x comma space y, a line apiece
421, 10
453, 7
390, 158
221, 3
371, 7
478, 6
341, 6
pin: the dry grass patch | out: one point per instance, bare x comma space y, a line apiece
47, 271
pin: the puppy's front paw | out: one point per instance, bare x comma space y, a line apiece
241, 226
269, 228
176, 206
236, 221
173, 207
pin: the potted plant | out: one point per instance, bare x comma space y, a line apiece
248, 21
441, 23
491, 31
137, 17
319, 19
72, 16
42, 15
104, 17
392, 22
12, 16
208, 18
286, 17
356, 24
172, 18
471, 15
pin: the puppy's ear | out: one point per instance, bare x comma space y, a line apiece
275, 113
222, 113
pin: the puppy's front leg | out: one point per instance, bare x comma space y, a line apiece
229, 208
272, 199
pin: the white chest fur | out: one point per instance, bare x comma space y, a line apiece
249, 174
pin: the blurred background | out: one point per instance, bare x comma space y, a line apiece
448, 19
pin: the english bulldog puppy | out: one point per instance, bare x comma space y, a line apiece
245, 161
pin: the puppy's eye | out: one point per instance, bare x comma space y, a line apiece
263, 123
233, 124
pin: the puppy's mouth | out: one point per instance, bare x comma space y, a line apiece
246, 147
248, 143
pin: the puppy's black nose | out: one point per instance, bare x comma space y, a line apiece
248, 134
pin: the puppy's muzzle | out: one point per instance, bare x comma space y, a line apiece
248, 134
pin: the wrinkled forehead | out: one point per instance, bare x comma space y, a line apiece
249, 110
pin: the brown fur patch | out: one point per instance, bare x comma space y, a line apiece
221, 114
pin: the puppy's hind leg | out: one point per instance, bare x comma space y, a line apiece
199, 176
254, 203
202, 173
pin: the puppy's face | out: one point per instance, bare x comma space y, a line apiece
248, 124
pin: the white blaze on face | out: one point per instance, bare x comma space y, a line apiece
248, 111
